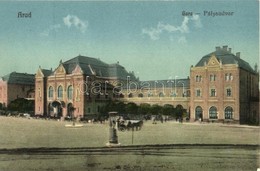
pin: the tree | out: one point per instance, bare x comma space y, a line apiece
21, 105
131, 108
156, 109
179, 111
168, 109
144, 108
120, 107
1, 106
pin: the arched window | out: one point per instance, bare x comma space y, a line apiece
60, 92
140, 95
70, 92
161, 94
213, 113
50, 92
198, 113
229, 113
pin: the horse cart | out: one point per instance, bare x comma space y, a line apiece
123, 125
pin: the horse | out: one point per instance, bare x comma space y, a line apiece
134, 124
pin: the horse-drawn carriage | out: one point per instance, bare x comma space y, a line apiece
123, 125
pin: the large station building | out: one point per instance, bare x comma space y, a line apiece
221, 87
79, 86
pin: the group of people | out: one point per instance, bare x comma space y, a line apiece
159, 118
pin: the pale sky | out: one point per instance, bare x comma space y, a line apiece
153, 39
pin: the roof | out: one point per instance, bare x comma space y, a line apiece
19, 78
118, 71
46, 72
94, 66
226, 57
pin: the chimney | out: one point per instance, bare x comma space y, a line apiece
238, 54
229, 50
217, 48
225, 48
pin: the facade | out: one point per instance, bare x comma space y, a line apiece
174, 92
224, 88
78, 87
16, 85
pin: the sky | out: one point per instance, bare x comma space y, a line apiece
153, 39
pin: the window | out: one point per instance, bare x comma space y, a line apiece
161, 94
212, 77
70, 92
60, 92
198, 78
198, 93
130, 95
228, 91
213, 92
77, 94
213, 114
230, 77
50, 92
140, 95
228, 113
226, 77
188, 93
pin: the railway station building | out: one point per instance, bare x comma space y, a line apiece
221, 87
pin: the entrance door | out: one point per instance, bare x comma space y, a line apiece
198, 113
70, 110
57, 109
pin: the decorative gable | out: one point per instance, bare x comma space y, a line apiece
60, 70
213, 61
77, 70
